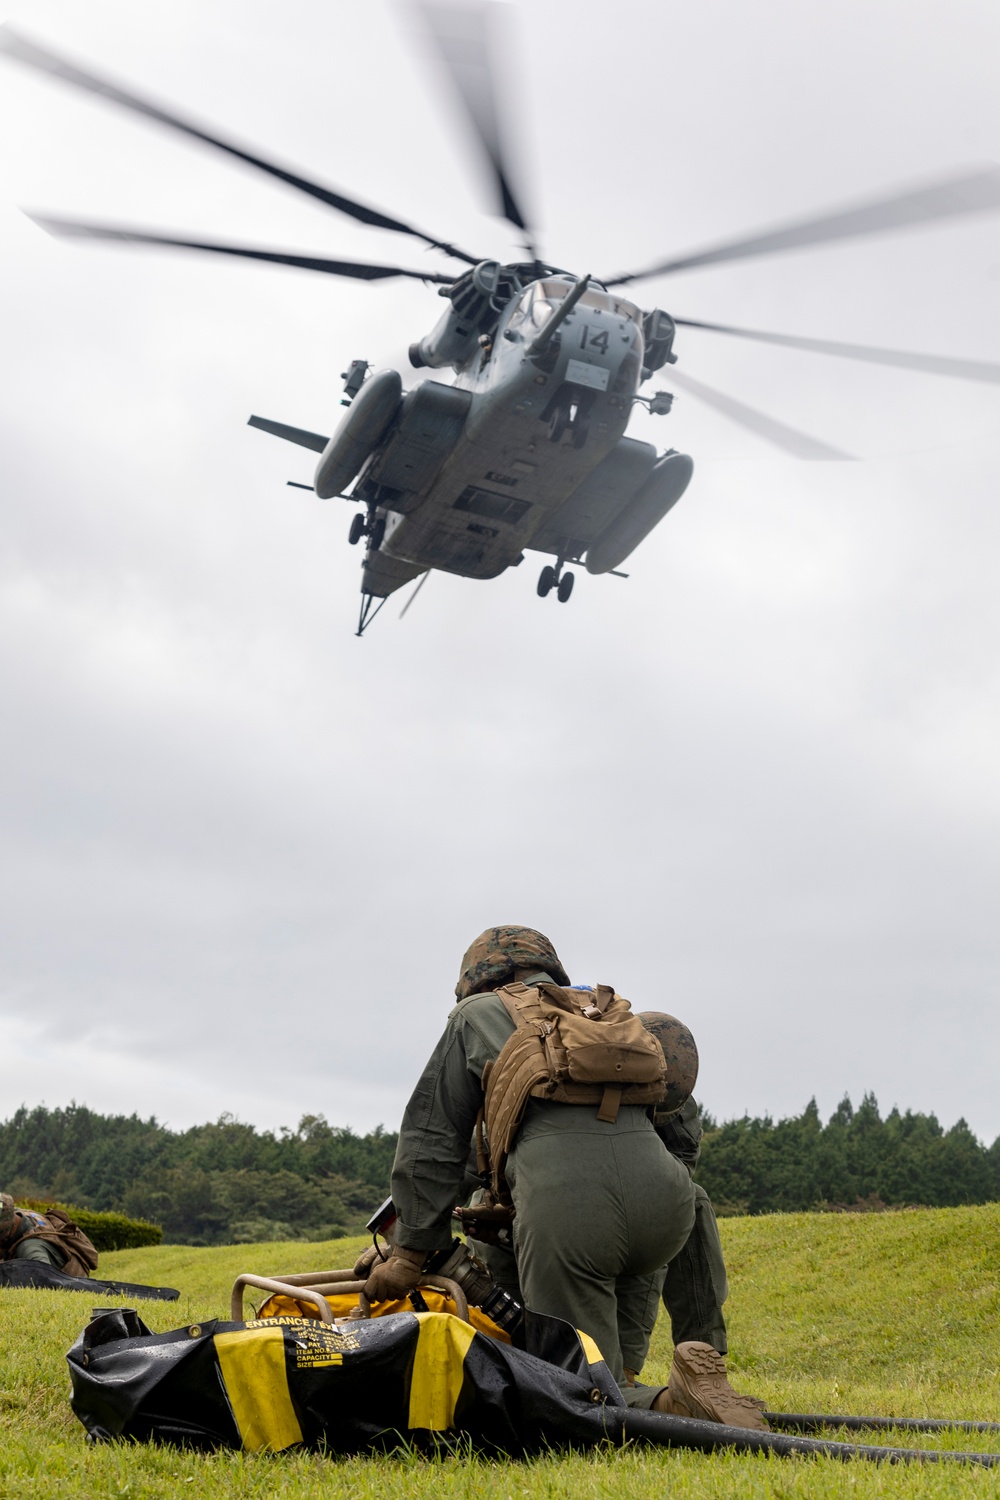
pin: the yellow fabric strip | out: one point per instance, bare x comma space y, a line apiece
438, 1367
252, 1362
591, 1352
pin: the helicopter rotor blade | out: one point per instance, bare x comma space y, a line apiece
21, 49
790, 439
928, 364
423, 579
357, 270
950, 197
463, 35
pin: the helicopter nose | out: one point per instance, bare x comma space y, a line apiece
596, 348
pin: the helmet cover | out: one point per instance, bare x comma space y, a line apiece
680, 1054
8, 1214
492, 959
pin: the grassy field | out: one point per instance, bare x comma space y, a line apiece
887, 1314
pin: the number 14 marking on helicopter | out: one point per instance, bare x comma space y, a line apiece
592, 340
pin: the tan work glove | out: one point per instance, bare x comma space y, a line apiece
365, 1261
396, 1277
490, 1223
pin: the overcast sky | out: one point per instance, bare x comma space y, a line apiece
755, 784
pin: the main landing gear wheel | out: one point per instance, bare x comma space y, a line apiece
546, 581
554, 578
378, 532
357, 530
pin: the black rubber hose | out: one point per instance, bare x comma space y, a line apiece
707, 1437
813, 1422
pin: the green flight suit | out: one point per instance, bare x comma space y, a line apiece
601, 1208
695, 1284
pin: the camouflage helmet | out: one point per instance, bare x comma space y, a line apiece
492, 959
679, 1053
8, 1213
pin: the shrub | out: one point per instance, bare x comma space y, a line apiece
104, 1230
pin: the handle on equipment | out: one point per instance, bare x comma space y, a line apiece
282, 1288
310, 1286
439, 1284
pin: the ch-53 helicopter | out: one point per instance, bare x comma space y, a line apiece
526, 448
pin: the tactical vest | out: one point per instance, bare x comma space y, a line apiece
569, 1047
57, 1228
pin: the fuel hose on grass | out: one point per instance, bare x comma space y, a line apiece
710, 1437
816, 1422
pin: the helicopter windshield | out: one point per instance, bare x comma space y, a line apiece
540, 298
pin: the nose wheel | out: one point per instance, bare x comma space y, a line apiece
570, 416
554, 578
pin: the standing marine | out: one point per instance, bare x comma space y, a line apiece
599, 1208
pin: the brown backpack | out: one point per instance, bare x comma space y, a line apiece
571, 1047
57, 1228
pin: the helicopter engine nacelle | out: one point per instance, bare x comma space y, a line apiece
670, 478
455, 337
361, 429
658, 332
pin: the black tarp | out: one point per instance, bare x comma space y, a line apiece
35, 1273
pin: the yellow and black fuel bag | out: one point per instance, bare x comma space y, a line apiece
278, 1382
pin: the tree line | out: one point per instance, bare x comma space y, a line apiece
229, 1183
215, 1184
857, 1160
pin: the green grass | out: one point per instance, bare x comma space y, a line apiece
887, 1314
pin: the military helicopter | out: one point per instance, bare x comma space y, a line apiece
526, 448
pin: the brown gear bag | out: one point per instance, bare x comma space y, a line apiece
57, 1228
570, 1047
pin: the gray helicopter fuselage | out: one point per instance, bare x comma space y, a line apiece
536, 422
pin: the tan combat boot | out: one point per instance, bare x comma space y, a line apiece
698, 1387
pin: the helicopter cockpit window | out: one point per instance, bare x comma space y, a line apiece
536, 304
608, 302
540, 298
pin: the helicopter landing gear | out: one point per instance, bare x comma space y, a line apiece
569, 415
361, 526
554, 578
